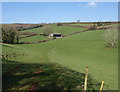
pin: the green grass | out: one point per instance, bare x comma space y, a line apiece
22, 35
33, 38
56, 29
35, 30
66, 30
74, 52
87, 49
110, 25
47, 76
81, 24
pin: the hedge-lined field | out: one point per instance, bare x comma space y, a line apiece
64, 30
80, 24
74, 52
56, 29
33, 38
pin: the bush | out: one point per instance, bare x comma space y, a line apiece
93, 27
9, 35
59, 24
99, 24
41, 25
111, 37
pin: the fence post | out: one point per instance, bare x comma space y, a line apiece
86, 76
101, 86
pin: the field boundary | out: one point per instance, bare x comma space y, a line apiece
29, 35
41, 41
99, 28
45, 40
88, 26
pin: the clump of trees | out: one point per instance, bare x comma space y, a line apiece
111, 37
9, 35
99, 23
59, 24
47, 30
78, 21
93, 27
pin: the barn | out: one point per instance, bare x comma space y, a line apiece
55, 35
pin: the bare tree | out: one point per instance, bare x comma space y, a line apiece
111, 37
78, 21
47, 30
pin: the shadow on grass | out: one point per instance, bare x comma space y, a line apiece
47, 76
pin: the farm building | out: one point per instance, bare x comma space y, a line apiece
55, 35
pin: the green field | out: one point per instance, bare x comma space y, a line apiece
57, 29
81, 24
74, 52
46, 76
110, 25
33, 38
36, 30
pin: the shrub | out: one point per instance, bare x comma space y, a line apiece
59, 24
99, 23
41, 25
17, 39
93, 27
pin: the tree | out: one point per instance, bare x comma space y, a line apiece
59, 24
0, 35
93, 27
111, 37
9, 35
99, 23
47, 30
78, 21
17, 39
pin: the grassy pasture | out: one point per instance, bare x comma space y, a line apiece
66, 30
57, 29
23, 35
87, 49
33, 38
47, 76
74, 52
80, 24
110, 25
35, 30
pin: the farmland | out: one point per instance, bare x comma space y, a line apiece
62, 29
73, 52
81, 24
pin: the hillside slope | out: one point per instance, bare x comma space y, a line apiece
75, 52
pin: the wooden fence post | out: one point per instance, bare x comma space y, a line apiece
86, 76
101, 86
